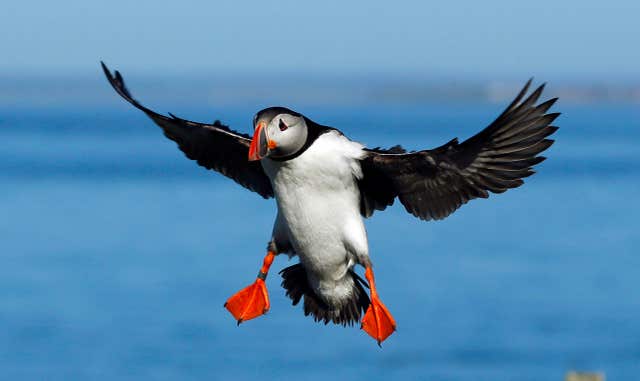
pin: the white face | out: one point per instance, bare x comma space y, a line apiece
288, 132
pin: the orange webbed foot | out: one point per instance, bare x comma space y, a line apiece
250, 302
377, 321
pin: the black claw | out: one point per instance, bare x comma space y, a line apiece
239, 321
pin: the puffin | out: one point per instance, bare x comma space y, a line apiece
326, 184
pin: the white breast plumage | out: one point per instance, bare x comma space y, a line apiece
319, 205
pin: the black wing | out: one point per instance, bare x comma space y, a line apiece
213, 146
432, 184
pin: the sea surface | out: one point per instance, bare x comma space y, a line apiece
117, 254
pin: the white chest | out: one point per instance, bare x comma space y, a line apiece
319, 201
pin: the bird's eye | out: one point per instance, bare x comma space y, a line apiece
282, 125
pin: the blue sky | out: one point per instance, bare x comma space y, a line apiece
583, 39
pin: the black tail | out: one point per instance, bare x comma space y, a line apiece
294, 280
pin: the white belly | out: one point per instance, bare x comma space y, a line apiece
319, 205
322, 223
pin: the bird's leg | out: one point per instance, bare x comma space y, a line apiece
377, 321
252, 301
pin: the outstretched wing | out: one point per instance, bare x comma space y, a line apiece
213, 146
432, 184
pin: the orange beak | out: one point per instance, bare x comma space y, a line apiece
259, 145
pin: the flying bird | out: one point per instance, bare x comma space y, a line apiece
325, 184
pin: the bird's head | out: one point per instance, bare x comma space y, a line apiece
278, 133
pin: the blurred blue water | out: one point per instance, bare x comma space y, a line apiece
117, 254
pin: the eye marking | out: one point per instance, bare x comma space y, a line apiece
282, 125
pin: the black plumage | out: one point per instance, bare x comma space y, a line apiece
432, 184
214, 146
294, 280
